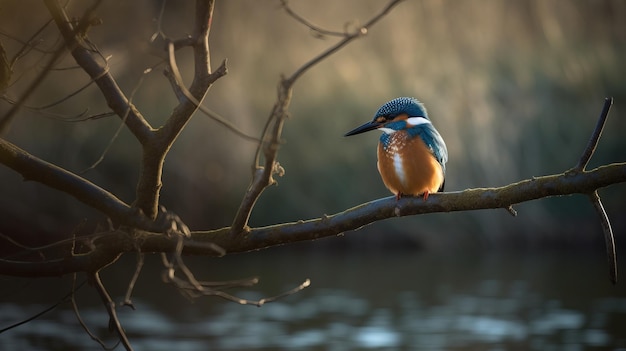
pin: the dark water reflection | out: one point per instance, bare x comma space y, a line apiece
393, 301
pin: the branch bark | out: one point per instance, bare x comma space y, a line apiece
33, 168
203, 242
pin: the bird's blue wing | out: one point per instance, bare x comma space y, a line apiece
433, 140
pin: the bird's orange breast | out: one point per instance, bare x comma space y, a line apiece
408, 167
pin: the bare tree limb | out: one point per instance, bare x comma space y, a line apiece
204, 242
154, 153
35, 169
377, 210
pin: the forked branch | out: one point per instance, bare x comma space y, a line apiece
154, 152
609, 240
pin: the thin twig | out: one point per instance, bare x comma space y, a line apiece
595, 137
131, 285
609, 240
300, 287
121, 126
27, 46
66, 97
48, 114
114, 321
349, 38
48, 309
82, 323
8, 117
511, 210
159, 31
179, 86
316, 29
260, 302
30, 249
82, 118
59, 51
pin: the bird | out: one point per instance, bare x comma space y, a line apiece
412, 155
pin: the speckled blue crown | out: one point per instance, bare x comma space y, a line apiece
410, 106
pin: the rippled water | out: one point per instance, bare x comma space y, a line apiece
395, 301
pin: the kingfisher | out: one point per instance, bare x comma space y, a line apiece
412, 155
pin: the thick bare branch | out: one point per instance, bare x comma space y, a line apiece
377, 210
204, 242
36, 169
33, 168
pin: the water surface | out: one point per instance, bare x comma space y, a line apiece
388, 301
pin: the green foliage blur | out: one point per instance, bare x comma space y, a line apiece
514, 87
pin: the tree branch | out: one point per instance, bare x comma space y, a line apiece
33, 168
149, 187
36, 169
377, 210
204, 242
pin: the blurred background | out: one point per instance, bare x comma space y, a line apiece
514, 88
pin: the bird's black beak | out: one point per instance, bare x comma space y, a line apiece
364, 128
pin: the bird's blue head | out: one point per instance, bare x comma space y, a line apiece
397, 114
